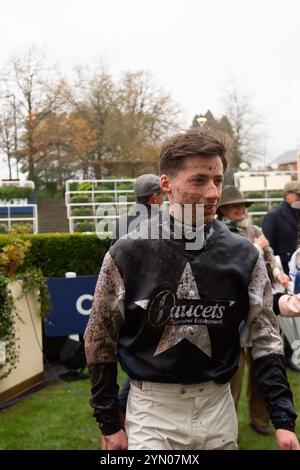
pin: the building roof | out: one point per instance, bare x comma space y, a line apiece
287, 157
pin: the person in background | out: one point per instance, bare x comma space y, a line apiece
232, 211
280, 225
148, 193
281, 228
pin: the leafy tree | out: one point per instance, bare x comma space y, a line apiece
246, 128
9, 130
91, 126
92, 99
37, 96
128, 118
55, 160
7, 139
242, 125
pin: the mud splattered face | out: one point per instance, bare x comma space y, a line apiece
198, 182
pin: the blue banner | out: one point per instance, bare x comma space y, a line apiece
71, 302
20, 210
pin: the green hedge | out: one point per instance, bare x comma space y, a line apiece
276, 194
81, 211
257, 207
56, 254
84, 226
105, 197
14, 192
125, 185
77, 186
254, 195
107, 186
80, 198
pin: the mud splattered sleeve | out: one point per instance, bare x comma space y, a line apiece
262, 335
100, 339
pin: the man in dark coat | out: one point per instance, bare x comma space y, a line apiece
280, 226
149, 197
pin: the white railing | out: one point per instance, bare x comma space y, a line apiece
267, 200
121, 206
8, 205
92, 203
21, 184
264, 181
10, 217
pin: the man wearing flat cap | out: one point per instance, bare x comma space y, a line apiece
146, 186
147, 194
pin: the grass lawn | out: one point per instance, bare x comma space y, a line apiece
59, 417
249, 439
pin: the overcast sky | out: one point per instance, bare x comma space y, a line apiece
194, 48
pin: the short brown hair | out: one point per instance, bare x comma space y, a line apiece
193, 143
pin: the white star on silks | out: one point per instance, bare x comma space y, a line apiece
173, 334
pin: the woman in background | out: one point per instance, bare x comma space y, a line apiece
232, 211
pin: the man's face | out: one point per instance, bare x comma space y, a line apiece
157, 198
291, 197
198, 182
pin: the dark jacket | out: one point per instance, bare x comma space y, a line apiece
280, 227
129, 222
